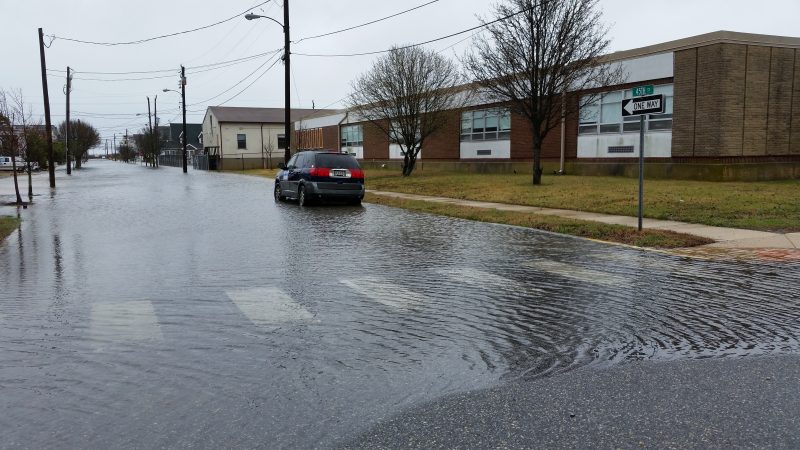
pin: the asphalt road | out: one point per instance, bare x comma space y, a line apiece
719, 403
145, 308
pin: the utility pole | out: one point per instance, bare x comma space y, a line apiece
115, 146
51, 160
183, 100
66, 125
287, 91
149, 124
155, 136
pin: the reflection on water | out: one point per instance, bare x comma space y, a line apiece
151, 308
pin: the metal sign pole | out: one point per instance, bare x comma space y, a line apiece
641, 169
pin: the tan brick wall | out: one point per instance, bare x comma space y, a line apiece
794, 144
779, 117
731, 90
745, 101
756, 101
710, 77
683, 109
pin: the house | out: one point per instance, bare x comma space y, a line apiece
247, 138
732, 112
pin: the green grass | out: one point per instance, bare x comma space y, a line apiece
768, 206
7, 225
267, 173
593, 230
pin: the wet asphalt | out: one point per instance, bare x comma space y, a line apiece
146, 308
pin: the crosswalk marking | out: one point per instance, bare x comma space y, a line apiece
577, 273
122, 322
269, 306
385, 293
485, 279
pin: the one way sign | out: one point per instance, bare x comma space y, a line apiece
651, 104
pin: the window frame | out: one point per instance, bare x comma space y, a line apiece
241, 141
497, 119
352, 135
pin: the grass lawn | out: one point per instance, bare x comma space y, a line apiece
267, 173
593, 230
7, 225
768, 206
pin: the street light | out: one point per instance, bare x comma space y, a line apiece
183, 107
287, 97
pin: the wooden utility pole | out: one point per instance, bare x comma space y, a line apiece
149, 124
51, 160
183, 101
287, 92
155, 135
66, 125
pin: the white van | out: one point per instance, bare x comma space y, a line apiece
5, 163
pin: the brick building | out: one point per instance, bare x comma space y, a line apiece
732, 112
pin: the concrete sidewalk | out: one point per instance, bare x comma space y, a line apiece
724, 237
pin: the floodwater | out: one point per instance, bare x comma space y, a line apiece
148, 308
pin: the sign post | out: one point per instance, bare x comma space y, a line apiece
642, 103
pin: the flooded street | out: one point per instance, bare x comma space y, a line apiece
148, 308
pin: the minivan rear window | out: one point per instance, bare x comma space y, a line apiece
334, 161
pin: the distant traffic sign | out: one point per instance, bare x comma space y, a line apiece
647, 89
651, 104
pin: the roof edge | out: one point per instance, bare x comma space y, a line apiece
716, 37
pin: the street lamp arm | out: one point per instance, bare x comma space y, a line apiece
256, 16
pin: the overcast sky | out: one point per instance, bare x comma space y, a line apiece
111, 106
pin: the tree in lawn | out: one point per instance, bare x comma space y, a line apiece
533, 53
82, 137
32, 143
9, 140
408, 94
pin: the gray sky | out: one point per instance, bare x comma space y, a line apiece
111, 106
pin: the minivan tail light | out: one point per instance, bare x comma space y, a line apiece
357, 173
320, 172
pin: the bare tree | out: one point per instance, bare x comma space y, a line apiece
408, 94
535, 53
8, 137
27, 137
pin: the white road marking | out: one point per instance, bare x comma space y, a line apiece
578, 273
385, 293
485, 279
269, 306
122, 322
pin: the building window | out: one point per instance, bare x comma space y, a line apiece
486, 124
281, 141
241, 141
602, 113
352, 136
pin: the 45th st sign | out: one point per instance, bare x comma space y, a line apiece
651, 104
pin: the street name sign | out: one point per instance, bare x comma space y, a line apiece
647, 89
650, 104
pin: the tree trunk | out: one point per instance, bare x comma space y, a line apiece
78, 161
16, 183
537, 160
30, 183
409, 162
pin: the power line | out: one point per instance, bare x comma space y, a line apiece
204, 67
141, 41
252, 83
365, 24
239, 82
417, 44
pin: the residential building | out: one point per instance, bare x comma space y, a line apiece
247, 137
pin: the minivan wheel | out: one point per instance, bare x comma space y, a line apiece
278, 194
302, 200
